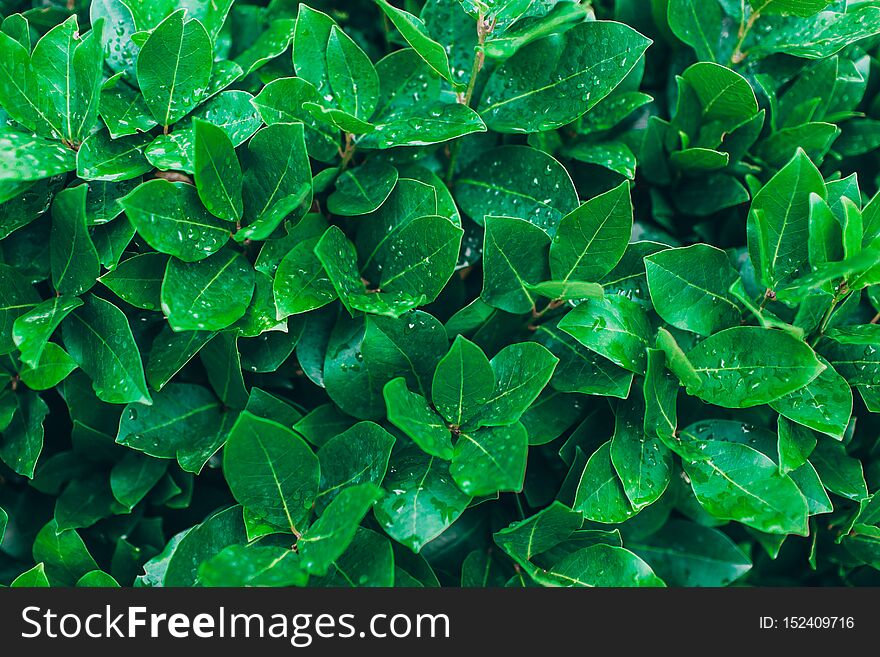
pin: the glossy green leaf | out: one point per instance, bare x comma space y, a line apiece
217, 171
737, 482
600, 494
358, 455
253, 565
779, 220
98, 337
411, 413
209, 294
421, 499
185, 422
362, 190
174, 67
688, 554
747, 366
271, 471
586, 63
414, 31
591, 240
490, 460
463, 382
170, 217
516, 181
277, 179
329, 536
613, 327
603, 565
514, 260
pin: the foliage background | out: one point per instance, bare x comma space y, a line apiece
256, 259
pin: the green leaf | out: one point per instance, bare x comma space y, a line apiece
26, 157
613, 327
748, 366
253, 565
538, 533
17, 297
824, 404
362, 190
778, 223
411, 413
277, 179
339, 258
603, 565
580, 369
600, 495
33, 578
522, 371
120, 52
698, 25
68, 71
23, 433
841, 474
410, 346
463, 382
171, 219
122, 108
282, 100
134, 476
103, 158
328, 538
689, 288
358, 455
20, 89
174, 67
687, 554
209, 294
421, 500
204, 541
641, 460
660, 390
351, 75
185, 422
423, 126
63, 555
585, 65
138, 280
514, 260
170, 352
98, 337
725, 96
32, 330
852, 352
54, 366
591, 240
369, 561
300, 282
517, 181
490, 460
794, 446
737, 482
414, 31
803, 8
217, 171
271, 471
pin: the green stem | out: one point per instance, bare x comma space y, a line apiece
744, 29
484, 29
348, 152
838, 300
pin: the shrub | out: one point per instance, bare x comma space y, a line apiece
474, 292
